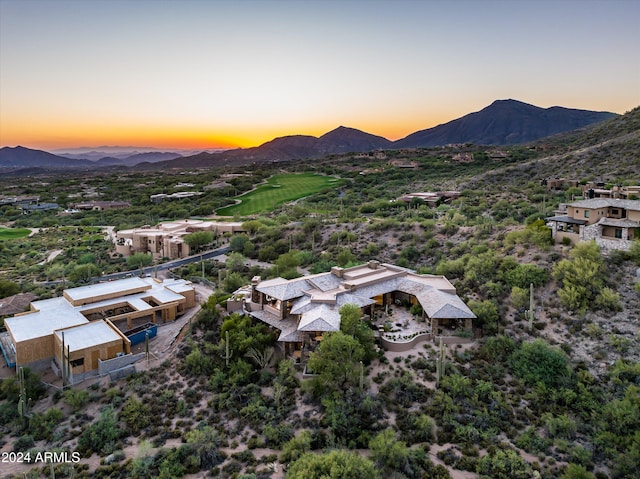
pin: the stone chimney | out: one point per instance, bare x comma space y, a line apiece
337, 271
255, 294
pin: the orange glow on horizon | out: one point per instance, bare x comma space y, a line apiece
48, 138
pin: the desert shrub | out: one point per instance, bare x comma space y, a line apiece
503, 464
136, 414
102, 435
41, 426
296, 447
488, 316
538, 362
76, 398
560, 426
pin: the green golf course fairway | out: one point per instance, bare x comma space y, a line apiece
13, 233
279, 189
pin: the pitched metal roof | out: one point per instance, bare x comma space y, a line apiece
321, 318
607, 203
317, 299
567, 219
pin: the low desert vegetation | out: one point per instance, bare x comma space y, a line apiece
549, 387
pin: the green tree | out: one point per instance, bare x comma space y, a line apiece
136, 414
102, 435
296, 447
503, 464
205, 443
582, 281
237, 242
287, 265
235, 262
8, 288
538, 362
351, 323
387, 451
488, 316
337, 464
198, 240
575, 471
139, 260
84, 272
337, 361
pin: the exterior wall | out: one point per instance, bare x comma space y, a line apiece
90, 355
165, 239
633, 215
33, 350
588, 233
107, 365
190, 296
595, 214
401, 346
560, 235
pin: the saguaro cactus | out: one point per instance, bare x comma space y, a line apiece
227, 351
440, 364
23, 400
529, 314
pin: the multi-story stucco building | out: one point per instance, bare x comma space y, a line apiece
166, 240
612, 223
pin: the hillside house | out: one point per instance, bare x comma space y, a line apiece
612, 223
89, 321
166, 240
100, 205
431, 198
302, 309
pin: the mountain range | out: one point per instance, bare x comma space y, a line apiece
504, 122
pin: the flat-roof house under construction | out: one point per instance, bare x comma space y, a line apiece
88, 320
304, 308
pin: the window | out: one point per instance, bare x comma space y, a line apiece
586, 213
614, 212
77, 362
618, 233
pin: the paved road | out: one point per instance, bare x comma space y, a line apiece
150, 270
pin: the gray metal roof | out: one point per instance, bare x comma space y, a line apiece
567, 219
317, 299
606, 203
622, 223
321, 318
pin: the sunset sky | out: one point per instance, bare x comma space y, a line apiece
206, 74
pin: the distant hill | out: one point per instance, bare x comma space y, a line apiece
608, 151
21, 157
504, 122
348, 140
132, 160
293, 147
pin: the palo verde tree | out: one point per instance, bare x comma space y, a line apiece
199, 240
139, 260
351, 323
337, 363
337, 464
582, 278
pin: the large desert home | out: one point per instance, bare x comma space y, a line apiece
303, 309
166, 240
611, 222
85, 329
